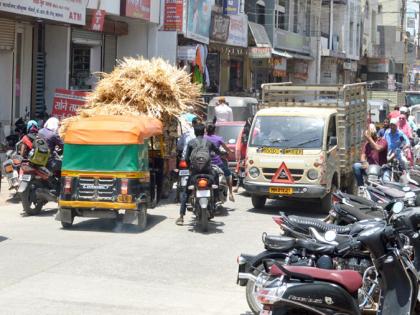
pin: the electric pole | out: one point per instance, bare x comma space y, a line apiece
405, 41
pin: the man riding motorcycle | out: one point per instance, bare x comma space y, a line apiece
199, 141
396, 139
217, 160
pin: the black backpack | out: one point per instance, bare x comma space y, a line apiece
200, 160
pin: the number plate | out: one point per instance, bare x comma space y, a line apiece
292, 151
184, 172
270, 150
280, 190
266, 312
202, 193
26, 177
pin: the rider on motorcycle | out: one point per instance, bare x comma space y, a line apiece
217, 160
25, 144
199, 134
373, 153
396, 139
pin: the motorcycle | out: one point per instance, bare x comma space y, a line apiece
391, 281
39, 185
202, 199
11, 167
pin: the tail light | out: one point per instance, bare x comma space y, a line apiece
278, 220
335, 199
124, 186
202, 183
183, 164
67, 184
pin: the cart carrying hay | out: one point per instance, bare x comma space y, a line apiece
146, 88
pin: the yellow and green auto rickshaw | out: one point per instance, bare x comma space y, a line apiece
106, 169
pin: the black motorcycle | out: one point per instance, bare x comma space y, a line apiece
201, 198
391, 281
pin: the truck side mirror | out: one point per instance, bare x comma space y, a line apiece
332, 142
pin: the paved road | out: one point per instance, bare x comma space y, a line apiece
101, 267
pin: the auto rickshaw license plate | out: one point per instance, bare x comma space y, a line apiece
270, 150
280, 190
125, 198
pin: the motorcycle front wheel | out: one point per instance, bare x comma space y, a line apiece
31, 206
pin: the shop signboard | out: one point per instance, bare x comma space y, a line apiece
231, 7
280, 67
136, 9
198, 20
238, 31
259, 52
186, 53
300, 70
219, 27
98, 20
66, 11
66, 102
173, 15
378, 65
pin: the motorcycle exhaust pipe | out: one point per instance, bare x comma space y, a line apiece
246, 276
44, 194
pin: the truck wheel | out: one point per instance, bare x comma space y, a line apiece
258, 201
142, 219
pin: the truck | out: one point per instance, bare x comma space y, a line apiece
304, 140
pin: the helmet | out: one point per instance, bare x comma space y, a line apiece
31, 124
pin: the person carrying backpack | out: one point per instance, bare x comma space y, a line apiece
198, 157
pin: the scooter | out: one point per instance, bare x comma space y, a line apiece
392, 281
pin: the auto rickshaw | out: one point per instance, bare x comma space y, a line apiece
106, 169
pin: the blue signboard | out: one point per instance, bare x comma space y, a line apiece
231, 7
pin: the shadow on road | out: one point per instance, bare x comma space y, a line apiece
115, 226
47, 212
214, 227
304, 208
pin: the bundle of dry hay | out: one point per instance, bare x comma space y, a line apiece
141, 87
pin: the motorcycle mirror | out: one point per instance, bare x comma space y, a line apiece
397, 207
330, 235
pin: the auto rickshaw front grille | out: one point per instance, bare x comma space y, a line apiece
96, 189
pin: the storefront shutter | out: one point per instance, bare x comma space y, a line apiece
79, 36
7, 34
110, 52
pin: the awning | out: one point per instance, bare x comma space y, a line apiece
281, 53
259, 34
303, 57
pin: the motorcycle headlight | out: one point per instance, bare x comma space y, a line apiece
312, 174
254, 172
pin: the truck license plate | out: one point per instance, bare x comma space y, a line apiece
293, 151
280, 190
270, 150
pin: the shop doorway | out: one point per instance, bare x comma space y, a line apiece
236, 76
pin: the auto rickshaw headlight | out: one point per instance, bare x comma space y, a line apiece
254, 172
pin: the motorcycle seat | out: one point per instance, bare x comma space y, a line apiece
349, 279
303, 224
359, 213
285, 243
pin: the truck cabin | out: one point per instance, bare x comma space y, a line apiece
242, 107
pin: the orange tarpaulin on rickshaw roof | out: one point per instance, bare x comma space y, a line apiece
112, 130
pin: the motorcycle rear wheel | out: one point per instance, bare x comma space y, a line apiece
204, 220
30, 206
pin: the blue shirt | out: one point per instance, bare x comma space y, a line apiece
381, 132
394, 140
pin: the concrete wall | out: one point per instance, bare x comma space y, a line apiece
110, 6
26, 74
136, 42
166, 46
57, 48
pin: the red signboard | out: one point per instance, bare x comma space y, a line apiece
66, 102
138, 9
173, 15
98, 20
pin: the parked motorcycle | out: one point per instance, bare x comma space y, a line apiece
11, 167
391, 281
39, 185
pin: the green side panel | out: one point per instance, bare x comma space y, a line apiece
117, 158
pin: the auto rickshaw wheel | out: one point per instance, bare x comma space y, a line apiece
67, 225
142, 219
